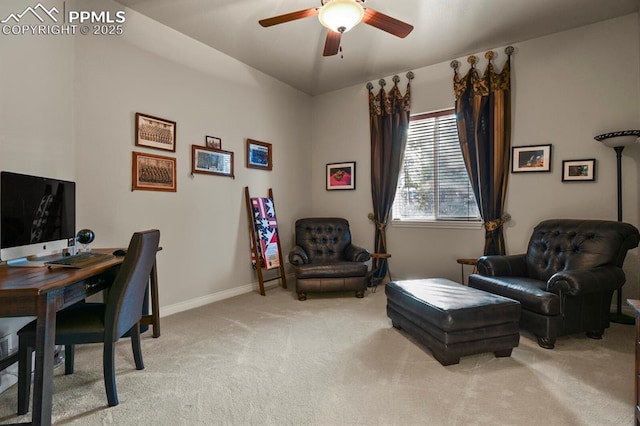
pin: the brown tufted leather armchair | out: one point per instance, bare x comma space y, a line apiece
324, 258
566, 279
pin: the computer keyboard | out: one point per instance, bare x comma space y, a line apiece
81, 260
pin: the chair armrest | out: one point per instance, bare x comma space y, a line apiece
297, 256
585, 281
356, 254
503, 266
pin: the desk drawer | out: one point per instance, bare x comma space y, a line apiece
80, 290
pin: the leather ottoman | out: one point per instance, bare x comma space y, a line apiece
453, 320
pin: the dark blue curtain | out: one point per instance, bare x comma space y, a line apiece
389, 122
483, 114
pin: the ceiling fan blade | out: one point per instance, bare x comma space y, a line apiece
386, 23
287, 17
332, 45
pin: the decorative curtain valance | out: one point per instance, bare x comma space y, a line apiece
483, 115
389, 122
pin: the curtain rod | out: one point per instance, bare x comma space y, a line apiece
382, 82
489, 55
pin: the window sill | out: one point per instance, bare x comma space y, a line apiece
437, 224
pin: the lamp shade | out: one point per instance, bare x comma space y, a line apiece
341, 15
619, 138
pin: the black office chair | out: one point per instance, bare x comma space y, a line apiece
99, 322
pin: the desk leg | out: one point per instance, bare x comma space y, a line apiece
43, 376
153, 318
155, 309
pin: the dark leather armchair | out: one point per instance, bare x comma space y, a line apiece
325, 260
566, 279
99, 322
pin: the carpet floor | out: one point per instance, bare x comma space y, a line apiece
336, 360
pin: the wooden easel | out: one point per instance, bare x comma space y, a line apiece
257, 258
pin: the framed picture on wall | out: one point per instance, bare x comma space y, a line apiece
211, 161
532, 158
154, 132
258, 155
341, 176
213, 142
579, 170
153, 172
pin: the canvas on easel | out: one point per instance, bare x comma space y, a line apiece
265, 245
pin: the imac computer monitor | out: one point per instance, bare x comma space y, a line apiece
37, 218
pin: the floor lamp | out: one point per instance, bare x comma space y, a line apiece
618, 141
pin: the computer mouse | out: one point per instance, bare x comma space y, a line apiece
119, 252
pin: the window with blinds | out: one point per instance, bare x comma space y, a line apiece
434, 184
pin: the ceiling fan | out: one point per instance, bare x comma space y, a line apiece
339, 16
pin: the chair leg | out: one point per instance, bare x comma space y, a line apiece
595, 334
135, 345
109, 371
25, 351
546, 342
69, 357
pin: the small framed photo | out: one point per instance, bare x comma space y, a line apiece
532, 158
211, 161
154, 132
213, 142
579, 170
258, 155
341, 176
153, 172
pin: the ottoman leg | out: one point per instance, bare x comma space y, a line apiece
503, 353
360, 294
302, 296
445, 359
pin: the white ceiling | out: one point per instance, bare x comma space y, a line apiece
444, 30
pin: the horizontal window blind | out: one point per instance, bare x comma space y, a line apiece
433, 183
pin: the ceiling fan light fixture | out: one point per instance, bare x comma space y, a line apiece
341, 15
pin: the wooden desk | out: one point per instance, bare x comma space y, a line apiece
41, 292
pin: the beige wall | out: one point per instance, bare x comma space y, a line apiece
36, 123
36, 111
567, 88
70, 102
158, 71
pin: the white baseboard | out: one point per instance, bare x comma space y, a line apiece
215, 297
